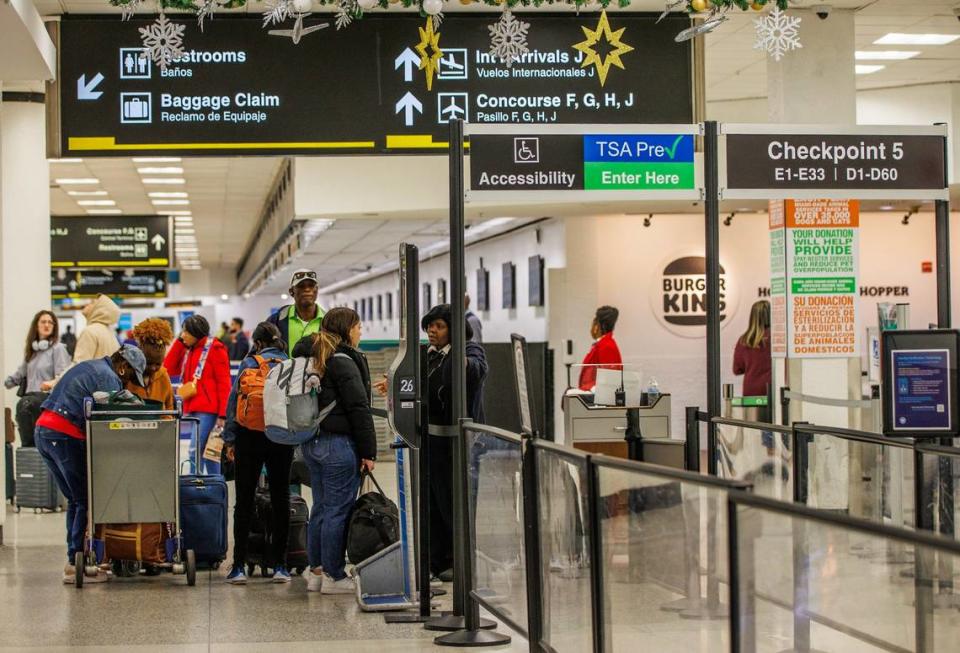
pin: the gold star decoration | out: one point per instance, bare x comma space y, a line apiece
429, 40
592, 57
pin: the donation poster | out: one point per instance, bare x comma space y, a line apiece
921, 389
820, 283
778, 281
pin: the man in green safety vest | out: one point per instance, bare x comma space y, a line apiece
304, 315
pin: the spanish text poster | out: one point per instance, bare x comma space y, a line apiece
823, 251
921, 389
778, 283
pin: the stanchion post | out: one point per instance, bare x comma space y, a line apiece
784, 406
738, 642
693, 439
532, 545
597, 589
711, 171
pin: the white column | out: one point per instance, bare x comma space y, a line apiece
24, 229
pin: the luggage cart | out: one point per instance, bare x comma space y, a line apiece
133, 459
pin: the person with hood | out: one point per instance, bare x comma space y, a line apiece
62, 440
201, 362
303, 317
98, 338
440, 406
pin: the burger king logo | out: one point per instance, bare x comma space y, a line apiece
680, 296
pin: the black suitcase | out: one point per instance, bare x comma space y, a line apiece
35, 485
258, 541
8, 464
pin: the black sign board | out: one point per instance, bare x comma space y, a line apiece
919, 372
509, 285
74, 284
125, 241
863, 163
360, 89
535, 283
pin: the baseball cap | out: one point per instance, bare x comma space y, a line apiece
137, 361
301, 275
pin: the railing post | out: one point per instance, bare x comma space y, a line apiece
596, 558
784, 406
742, 631
922, 566
532, 545
692, 447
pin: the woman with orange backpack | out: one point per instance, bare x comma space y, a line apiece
251, 450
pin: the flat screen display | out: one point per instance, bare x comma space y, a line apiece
535, 288
509, 285
919, 370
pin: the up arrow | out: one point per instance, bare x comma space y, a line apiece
86, 91
408, 103
158, 241
408, 59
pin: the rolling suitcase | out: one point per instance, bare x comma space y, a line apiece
203, 516
258, 541
35, 485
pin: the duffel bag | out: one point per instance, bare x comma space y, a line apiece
374, 524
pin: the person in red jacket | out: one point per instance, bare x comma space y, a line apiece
604, 353
203, 365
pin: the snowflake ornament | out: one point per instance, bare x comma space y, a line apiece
163, 41
129, 8
205, 10
277, 12
777, 34
508, 38
347, 10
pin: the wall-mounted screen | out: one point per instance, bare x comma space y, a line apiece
483, 290
535, 289
509, 285
919, 371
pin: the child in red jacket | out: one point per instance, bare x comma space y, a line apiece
203, 365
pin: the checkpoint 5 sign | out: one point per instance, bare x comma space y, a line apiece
614, 163
804, 162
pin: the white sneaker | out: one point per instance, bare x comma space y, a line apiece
69, 574
343, 586
314, 580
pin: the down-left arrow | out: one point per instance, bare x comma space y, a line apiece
85, 91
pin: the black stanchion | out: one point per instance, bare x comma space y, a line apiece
532, 546
784, 406
597, 588
711, 173
692, 447
743, 625
465, 619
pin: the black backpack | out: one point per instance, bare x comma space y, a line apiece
374, 524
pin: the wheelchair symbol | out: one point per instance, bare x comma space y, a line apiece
526, 150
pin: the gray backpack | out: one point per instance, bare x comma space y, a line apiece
291, 410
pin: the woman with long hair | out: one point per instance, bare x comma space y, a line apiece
252, 450
153, 336
44, 359
345, 444
203, 366
751, 358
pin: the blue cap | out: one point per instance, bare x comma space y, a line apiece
137, 361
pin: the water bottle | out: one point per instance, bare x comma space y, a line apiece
653, 392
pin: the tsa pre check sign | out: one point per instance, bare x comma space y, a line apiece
921, 389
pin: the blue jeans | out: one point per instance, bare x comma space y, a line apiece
335, 480
67, 459
207, 422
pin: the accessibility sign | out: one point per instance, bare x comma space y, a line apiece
127, 241
617, 162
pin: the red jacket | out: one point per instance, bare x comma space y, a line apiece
604, 353
214, 386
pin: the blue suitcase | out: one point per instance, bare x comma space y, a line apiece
203, 517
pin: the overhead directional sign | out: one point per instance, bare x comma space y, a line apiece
127, 241
364, 89
825, 162
574, 162
116, 283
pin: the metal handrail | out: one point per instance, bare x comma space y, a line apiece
756, 426
937, 449
856, 436
560, 450
499, 433
649, 469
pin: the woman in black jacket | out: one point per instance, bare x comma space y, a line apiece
345, 444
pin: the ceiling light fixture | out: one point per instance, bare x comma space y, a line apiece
76, 181
188, 214
171, 170
867, 70
87, 193
885, 55
168, 194
157, 159
897, 38
170, 202
96, 203
181, 230
65, 160
171, 181
104, 211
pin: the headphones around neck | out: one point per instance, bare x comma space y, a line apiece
40, 345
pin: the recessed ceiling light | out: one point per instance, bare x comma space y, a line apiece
87, 193
170, 202
867, 70
96, 203
77, 181
224, 297
104, 211
885, 55
181, 231
886, 207
172, 181
156, 159
171, 170
896, 38
162, 194
178, 214
65, 160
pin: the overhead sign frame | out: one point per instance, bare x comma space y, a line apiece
876, 190
695, 193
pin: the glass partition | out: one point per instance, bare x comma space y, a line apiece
564, 548
941, 488
838, 601
758, 454
496, 508
664, 561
